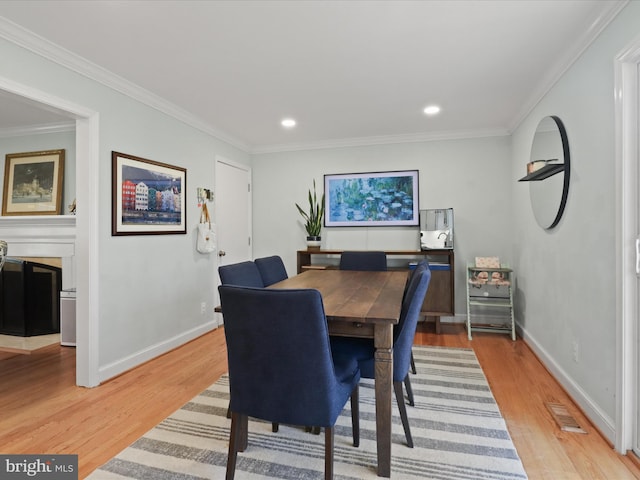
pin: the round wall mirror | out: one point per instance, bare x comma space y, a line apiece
549, 182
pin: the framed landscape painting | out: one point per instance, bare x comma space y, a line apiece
148, 197
33, 183
372, 199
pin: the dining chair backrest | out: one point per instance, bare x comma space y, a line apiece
272, 269
245, 274
405, 330
280, 363
422, 265
363, 260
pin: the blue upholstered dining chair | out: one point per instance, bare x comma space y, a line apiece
403, 335
421, 266
280, 365
245, 274
272, 269
365, 260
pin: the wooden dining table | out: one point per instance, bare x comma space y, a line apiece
366, 305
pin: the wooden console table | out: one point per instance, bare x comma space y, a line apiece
440, 298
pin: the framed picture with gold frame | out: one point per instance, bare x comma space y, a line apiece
33, 183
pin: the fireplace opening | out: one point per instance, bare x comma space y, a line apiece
30, 297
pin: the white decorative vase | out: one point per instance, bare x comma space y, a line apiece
314, 242
3, 252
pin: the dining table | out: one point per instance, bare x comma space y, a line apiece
363, 304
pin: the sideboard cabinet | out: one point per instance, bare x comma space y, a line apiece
440, 299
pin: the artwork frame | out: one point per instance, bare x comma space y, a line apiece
148, 197
33, 183
364, 199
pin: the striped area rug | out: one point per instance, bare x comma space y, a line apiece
457, 429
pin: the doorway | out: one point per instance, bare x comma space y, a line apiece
86, 250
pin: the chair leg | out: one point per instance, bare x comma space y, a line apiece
413, 364
397, 387
274, 426
355, 416
234, 441
328, 453
243, 441
407, 384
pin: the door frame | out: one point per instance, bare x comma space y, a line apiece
86, 240
627, 125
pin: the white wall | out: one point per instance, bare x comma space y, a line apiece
471, 176
149, 288
566, 287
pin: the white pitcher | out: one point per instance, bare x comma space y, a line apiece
3, 252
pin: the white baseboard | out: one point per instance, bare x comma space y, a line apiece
120, 366
600, 419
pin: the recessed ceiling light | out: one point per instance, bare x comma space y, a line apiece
432, 110
288, 123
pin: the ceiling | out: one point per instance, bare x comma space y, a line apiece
349, 72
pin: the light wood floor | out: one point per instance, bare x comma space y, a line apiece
42, 411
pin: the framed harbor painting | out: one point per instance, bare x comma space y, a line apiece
33, 183
148, 197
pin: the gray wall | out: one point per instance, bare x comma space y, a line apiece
471, 176
149, 288
566, 276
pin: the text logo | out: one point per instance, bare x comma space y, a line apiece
50, 467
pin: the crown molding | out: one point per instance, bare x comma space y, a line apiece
382, 140
598, 24
43, 47
37, 130
46, 49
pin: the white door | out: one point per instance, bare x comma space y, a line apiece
232, 215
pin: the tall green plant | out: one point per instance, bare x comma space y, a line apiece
313, 218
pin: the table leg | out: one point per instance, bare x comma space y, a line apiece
383, 341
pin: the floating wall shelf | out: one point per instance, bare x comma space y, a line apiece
545, 172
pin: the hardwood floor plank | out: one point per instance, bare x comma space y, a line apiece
522, 386
44, 412
98, 423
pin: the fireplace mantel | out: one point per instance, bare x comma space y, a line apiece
39, 235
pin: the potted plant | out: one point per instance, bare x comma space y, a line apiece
313, 218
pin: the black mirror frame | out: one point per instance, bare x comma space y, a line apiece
566, 172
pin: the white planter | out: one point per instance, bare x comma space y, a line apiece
314, 242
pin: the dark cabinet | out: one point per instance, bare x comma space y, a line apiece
440, 298
29, 298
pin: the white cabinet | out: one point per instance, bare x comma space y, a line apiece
489, 289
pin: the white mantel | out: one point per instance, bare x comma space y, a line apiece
42, 236
39, 235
